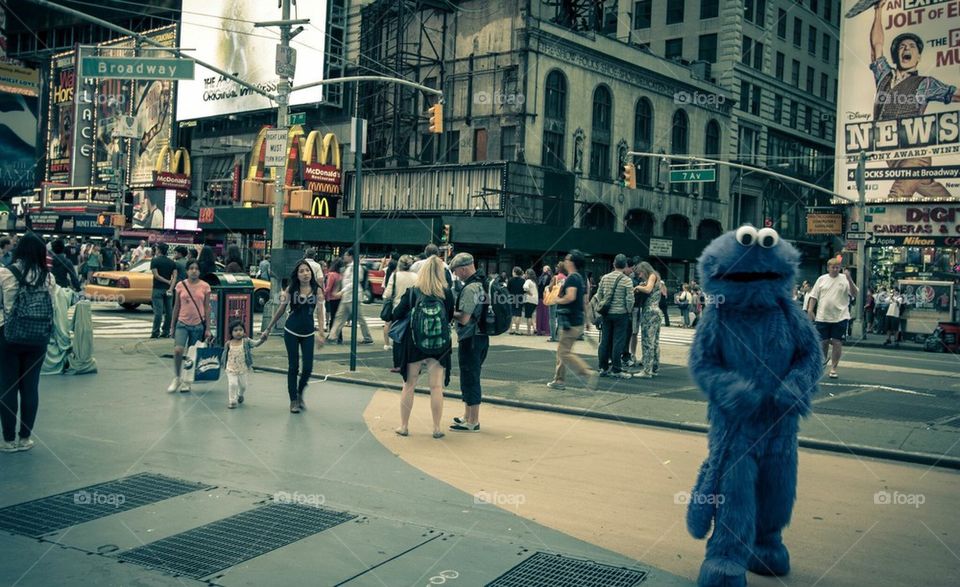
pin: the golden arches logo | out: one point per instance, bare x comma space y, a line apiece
164, 162
320, 205
322, 149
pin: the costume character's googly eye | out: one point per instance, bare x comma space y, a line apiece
747, 235
768, 238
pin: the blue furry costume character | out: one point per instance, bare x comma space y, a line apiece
757, 358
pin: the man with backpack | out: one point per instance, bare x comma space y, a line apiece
472, 338
615, 296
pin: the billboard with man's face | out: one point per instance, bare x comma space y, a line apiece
898, 99
223, 35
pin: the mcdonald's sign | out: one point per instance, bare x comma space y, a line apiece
321, 177
323, 206
172, 171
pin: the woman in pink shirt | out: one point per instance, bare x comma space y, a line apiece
330, 290
190, 319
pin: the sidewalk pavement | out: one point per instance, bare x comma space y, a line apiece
908, 441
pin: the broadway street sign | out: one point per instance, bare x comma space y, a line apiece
137, 68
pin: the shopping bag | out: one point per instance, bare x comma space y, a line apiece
189, 361
206, 365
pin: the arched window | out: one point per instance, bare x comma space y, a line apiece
639, 222
643, 138
599, 217
679, 145
600, 133
555, 120
676, 226
709, 229
711, 145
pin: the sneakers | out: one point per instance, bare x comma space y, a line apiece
558, 385
231, 405
643, 375
620, 375
387, 347
8, 446
174, 385
185, 387
604, 373
630, 362
240, 398
464, 428
367, 341
294, 407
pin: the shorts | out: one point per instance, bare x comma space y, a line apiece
528, 310
516, 310
186, 335
892, 323
833, 330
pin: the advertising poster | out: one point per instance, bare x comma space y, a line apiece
223, 34
898, 99
19, 116
114, 98
60, 125
150, 208
153, 109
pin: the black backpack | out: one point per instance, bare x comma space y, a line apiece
497, 311
31, 321
429, 324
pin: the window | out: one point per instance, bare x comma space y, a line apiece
745, 50
673, 49
453, 146
812, 40
824, 78
825, 49
711, 145
758, 56
794, 109
679, 141
778, 108
675, 11
643, 138
828, 10
508, 143
808, 118
641, 14
814, 6
428, 148
744, 96
797, 32
748, 10
600, 141
810, 76
748, 144
555, 120
755, 11
480, 144
708, 48
782, 23
755, 102
780, 59
795, 73
709, 9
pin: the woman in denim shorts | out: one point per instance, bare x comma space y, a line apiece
190, 319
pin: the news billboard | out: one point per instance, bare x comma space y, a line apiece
898, 100
223, 35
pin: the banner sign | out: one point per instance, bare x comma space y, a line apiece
60, 117
323, 179
819, 223
81, 164
320, 177
223, 34
19, 80
898, 99
912, 225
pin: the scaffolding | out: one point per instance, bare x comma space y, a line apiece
405, 39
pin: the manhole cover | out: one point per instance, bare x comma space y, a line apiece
222, 544
542, 569
42, 516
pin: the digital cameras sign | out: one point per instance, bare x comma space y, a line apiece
223, 35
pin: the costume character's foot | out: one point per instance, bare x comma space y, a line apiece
721, 572
770, 559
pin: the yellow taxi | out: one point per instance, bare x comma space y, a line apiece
135, 286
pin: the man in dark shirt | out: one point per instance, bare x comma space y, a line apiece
570, 312
62, 269
180, 258
72, 252
164, 278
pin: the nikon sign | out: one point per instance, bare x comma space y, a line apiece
137, 68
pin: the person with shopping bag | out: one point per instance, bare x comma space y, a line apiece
191, 320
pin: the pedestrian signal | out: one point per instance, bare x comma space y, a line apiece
435, 113
445, 239
630, 176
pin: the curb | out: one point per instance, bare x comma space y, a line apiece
915, 458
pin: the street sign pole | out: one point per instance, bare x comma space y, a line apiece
862, 244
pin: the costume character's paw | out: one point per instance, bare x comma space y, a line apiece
721, 572
770, 559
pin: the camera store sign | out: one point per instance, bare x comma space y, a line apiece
913, 226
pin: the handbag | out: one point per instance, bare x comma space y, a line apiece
550, 295
386, 312
600, 310
398, 328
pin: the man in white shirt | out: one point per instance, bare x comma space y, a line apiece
828, 306
432, 250
345, 309
311, 259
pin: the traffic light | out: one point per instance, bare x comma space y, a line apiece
445, 239
435, 113
630, 176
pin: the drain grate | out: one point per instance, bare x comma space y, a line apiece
41, 516
208, 549
559, 571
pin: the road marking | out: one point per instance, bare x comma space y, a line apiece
872, 387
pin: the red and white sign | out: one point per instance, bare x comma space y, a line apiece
323, 179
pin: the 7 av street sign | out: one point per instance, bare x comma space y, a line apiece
703, 175
137, 68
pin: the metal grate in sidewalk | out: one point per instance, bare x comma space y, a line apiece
553, 570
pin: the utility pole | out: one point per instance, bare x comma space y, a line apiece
286, 63
357, 195
862, 244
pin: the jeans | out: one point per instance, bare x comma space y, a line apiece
685, 313
19, 384
565, 355
471, 353
162, 311
297, 345
553, 322
613, 341
666, 312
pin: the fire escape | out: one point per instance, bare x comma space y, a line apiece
405, 39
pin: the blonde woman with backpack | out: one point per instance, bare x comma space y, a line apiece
427, 309
26, 323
